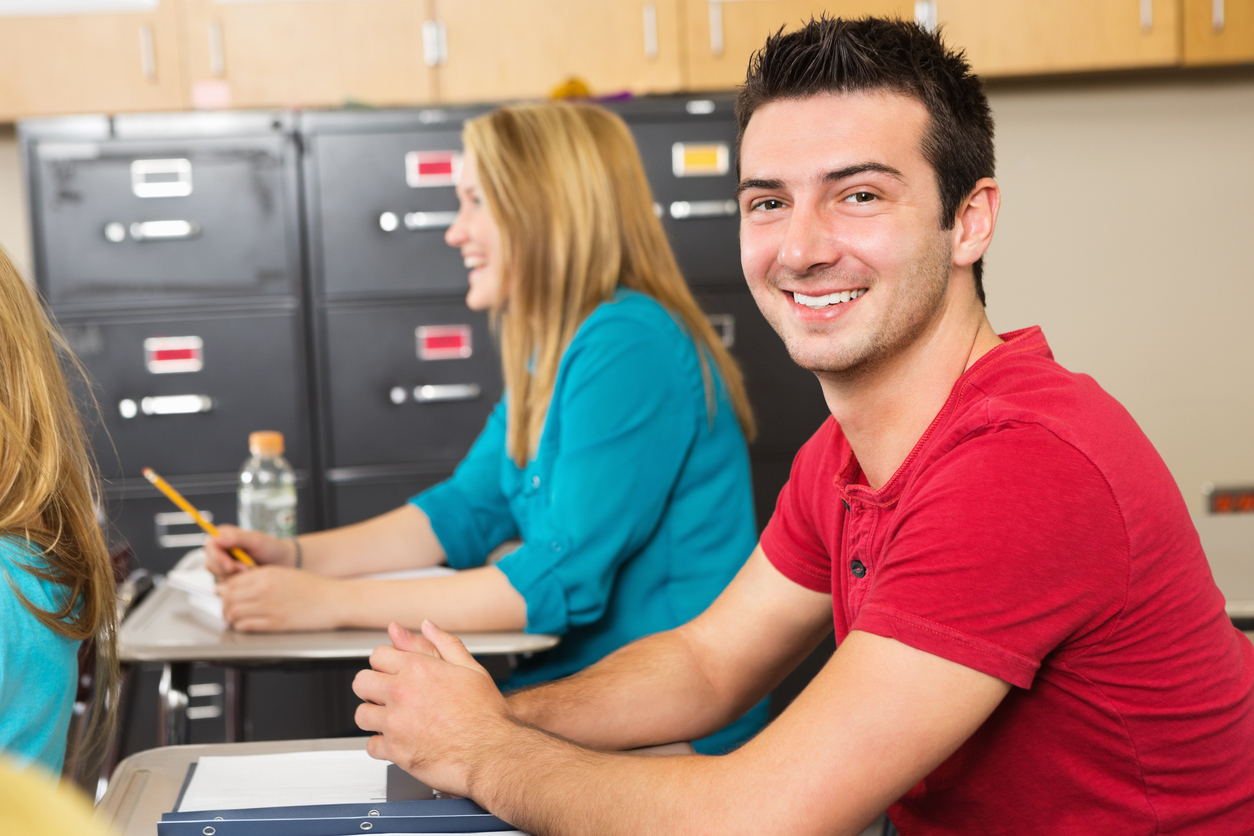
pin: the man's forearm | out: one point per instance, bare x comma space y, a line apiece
652, 691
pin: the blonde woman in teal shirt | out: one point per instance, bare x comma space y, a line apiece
56, 584
617, 454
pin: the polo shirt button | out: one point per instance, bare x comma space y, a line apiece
858, 568
535, 481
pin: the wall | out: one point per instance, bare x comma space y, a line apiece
1126, 233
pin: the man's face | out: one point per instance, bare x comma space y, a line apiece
840, 234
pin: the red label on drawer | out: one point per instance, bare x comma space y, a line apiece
424, 169
172, 355
444, 342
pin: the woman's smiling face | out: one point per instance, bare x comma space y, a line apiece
476, 233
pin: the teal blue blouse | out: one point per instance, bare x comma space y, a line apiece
38, 667
637, 509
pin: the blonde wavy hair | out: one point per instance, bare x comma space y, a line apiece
49, 491
565, 185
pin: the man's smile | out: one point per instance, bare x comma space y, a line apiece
828, 300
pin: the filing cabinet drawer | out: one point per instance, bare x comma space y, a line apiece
787, 400
407, 383
381, 198
181, 394
354, 497
691, 166
155, 220
161, 534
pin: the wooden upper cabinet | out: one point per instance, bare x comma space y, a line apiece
1218, 31
278, 53
91, 63
505, 49
720, 36
1025, 37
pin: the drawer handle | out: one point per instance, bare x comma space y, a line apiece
165, 405
152, 231
724, 324
446, 392
682, 209
416, 221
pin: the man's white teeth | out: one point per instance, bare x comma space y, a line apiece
829, 299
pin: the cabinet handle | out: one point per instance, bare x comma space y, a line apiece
716, 28
166, 405
217, 55
1147, 15
1217, 15
147, 52
434, 43
417, 221
650, 31
446, 392
925, 14
682, 209
724, 324
192, 537
155, 231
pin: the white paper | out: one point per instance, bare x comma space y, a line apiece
191, 576
286, 780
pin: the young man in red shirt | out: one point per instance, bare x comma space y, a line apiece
1030, 640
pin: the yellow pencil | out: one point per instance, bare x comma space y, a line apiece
177, 499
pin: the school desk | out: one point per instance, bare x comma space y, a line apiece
165, 628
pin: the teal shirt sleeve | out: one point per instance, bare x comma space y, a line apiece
469, 512
623, 418
38, 667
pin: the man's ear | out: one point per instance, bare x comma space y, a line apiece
975, 221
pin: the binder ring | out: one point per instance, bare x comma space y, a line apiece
366, 825
209, 831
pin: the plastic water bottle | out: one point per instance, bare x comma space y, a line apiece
267, 487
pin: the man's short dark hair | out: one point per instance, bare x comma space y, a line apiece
834, 55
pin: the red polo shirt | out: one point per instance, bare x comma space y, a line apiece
1035, 534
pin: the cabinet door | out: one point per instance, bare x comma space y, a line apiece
721, 36
81, 63
1023, 37
1218, 31
503, 49
280, 53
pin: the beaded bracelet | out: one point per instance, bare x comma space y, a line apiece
299, 556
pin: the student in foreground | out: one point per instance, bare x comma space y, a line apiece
1029, 637
56, 582
617, 454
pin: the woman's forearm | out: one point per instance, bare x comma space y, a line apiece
400, 539
474, 600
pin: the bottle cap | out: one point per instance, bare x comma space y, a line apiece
265, 443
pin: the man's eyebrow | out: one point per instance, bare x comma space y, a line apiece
862, 168
768, 185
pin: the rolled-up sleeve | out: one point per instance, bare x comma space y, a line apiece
469, 513
622, 422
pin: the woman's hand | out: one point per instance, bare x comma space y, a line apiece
260, 547
276, 598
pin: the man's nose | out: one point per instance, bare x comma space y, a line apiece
810, 243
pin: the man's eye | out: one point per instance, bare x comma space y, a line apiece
861, 197
769, 204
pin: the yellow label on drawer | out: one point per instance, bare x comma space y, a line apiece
703, 159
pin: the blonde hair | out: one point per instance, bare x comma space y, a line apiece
48, 488
565, 185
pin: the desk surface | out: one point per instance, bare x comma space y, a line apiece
165, 627
147, 784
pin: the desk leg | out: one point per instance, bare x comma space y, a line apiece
234, 704
172, 703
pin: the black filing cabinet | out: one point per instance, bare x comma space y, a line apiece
168, 248
688, 146
405, 374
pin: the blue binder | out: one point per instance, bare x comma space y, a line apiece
437, 815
